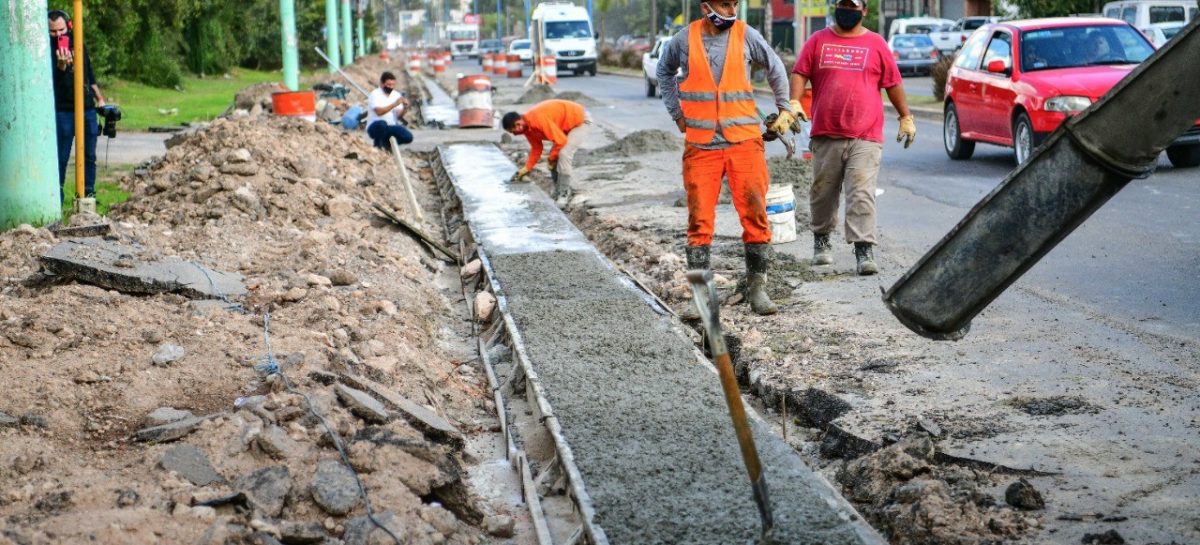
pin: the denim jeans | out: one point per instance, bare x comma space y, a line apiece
380, 131
65, 122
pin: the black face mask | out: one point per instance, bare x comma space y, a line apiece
718, 20
847, 18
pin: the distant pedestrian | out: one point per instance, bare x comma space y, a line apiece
712, 103
848, 65
384, 106
62, 43
563, 123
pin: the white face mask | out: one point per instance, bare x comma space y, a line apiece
718, 20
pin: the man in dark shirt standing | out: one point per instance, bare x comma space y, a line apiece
64, 102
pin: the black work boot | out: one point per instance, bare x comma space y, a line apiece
698, 258
822, 249
757, 258
865, 256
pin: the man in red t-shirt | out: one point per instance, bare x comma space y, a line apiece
847, 66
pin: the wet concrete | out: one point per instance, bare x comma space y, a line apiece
646, 421
440, 108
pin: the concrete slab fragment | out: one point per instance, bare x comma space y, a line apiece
191, 463
424, 419
134, 269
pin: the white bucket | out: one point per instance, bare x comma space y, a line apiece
781, 213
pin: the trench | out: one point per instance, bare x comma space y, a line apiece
641, 440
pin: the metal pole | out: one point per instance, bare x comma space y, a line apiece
29, 190
589, 8
347, 35
291, 58
797, 29
331, 35
80, 155
499, 19
362, 38
528, 21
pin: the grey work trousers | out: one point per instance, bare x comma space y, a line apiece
849, 168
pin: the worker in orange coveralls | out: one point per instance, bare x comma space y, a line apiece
562, 122
712, 102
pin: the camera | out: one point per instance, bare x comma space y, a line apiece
111, 115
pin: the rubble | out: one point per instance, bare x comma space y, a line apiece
190, 463
333, 488
137, 270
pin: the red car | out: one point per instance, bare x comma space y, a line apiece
1014, 83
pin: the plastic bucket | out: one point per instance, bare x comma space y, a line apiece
781, 213
295, 104
514, 67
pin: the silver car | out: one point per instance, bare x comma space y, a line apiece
914, 53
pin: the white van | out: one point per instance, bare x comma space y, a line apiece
566, 30
1143, 13
918, 25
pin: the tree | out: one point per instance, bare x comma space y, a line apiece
1055, 8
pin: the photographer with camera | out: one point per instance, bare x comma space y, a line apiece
62, 43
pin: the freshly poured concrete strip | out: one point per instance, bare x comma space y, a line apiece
647, 423
440, 109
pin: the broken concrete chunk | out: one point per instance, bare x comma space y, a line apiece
340, 206
342, 277
423, 419
168, 354
485, 303
191, 463
171, 431
94, 261
301, 533
361, 531
165, 415
7, 421
239, 169
1023, 495
362, 405
334, 488
499, 525
266, 489
240, 155
277, 444
471, 269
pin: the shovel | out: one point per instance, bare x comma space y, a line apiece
705, 297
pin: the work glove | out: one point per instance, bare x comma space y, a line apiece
908, 131
520, 175
790, 120
553, 165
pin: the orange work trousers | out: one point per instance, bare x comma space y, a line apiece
745, 166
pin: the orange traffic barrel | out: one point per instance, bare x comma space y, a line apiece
414, 62
295, 104
488, 61
514, 67
549, 69
500, 64
475, 101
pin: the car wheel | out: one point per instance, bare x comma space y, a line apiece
1184, 156
1023, 138
956, 146
651, 88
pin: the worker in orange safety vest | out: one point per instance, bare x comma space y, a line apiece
712, 103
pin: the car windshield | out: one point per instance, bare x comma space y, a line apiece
921, 29
972, 24
567, 29
520, 45
490, 44
1070, 47
909, 42
462, 34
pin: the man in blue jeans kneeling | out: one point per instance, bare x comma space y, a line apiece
384, 105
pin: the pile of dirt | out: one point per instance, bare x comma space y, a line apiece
536, 94
642, 142
913, 501
356, 324
257, 95
579, 98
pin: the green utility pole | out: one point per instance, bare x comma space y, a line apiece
362, 40
291, 58
347, 35
28, 152
331, 35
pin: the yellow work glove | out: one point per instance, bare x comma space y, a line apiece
553, 165
908, 131
520, 175
789, 120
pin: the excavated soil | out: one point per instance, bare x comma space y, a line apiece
577, 97
536, 94
641, 142
286, 203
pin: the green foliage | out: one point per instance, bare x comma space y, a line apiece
1055, 8
205, 99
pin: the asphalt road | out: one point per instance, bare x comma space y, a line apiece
1134, 262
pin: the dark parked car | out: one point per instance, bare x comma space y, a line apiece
489, 47
914, 53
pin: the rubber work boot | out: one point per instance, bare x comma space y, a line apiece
865, 256
757, 258
698, 257
822, 249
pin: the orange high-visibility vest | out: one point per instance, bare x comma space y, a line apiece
707, 106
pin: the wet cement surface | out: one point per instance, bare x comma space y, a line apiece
647, 423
